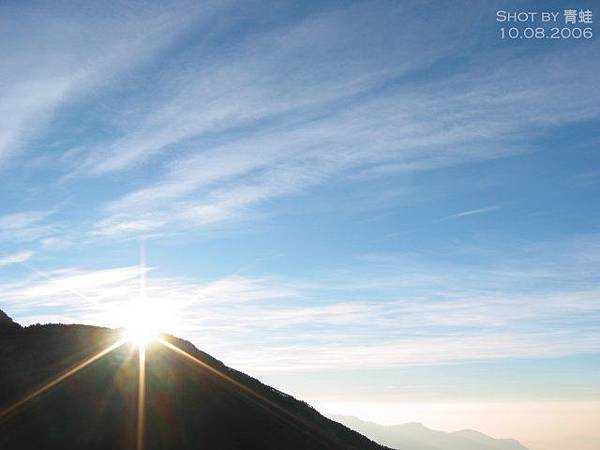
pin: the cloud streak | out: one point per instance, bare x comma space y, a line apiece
28, 226
275, 324
408, 128
15, 258
59, 54
475, 212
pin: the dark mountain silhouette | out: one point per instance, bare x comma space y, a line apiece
7, 326
188, 406
415, 436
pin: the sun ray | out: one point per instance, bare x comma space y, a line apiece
61, 378
143, 317
142, 266
269, 405
141, 398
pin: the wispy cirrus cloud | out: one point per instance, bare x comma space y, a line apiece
239, 118
60, 53
245, 84
430, 315
15, 258
23, 219
473, 212
261, 332
96, 295
417, 351
28, 226
407, 127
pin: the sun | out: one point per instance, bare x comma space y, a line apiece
143, 323
145, 317
140, 335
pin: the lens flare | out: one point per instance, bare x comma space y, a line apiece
140, 335
143, 323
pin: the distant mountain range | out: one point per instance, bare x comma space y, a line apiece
191, 402
414, 436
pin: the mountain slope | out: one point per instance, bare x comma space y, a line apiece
414, 436
187, 406
7, 325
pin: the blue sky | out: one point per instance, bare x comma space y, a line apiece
320, 188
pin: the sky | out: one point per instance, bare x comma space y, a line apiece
380, 207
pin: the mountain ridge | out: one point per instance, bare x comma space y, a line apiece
7, 324
191, 402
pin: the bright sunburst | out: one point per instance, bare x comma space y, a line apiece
144, 318
144, 322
